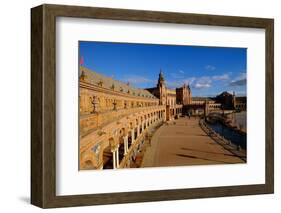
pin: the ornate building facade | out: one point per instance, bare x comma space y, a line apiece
184, 95
223, 101
115, 118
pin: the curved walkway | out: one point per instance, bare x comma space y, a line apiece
183, 142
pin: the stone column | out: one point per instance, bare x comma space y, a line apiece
132, 135
117, 157
114, 159
126, 144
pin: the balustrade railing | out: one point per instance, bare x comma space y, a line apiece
91, 122
236, 150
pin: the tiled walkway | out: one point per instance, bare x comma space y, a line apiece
183, 142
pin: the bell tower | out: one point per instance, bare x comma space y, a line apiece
162, 88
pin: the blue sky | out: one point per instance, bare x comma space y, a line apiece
208, 70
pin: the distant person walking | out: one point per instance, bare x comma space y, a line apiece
188, 115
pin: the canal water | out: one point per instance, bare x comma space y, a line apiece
234, 136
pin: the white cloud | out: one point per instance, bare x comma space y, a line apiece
198, 82
202, 85
210, 67
203, 82
205, 79
220, 77
181, 71
240, 80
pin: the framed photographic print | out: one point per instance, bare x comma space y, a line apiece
136, 106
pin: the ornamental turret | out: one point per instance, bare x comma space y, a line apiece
162, 88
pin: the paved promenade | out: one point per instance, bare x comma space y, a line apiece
183, 142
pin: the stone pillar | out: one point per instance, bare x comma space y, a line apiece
132, 135
114, 159
126, 148
117, 157
127, 143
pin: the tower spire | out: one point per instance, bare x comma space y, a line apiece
161, 79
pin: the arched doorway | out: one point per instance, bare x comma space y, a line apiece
107, 158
